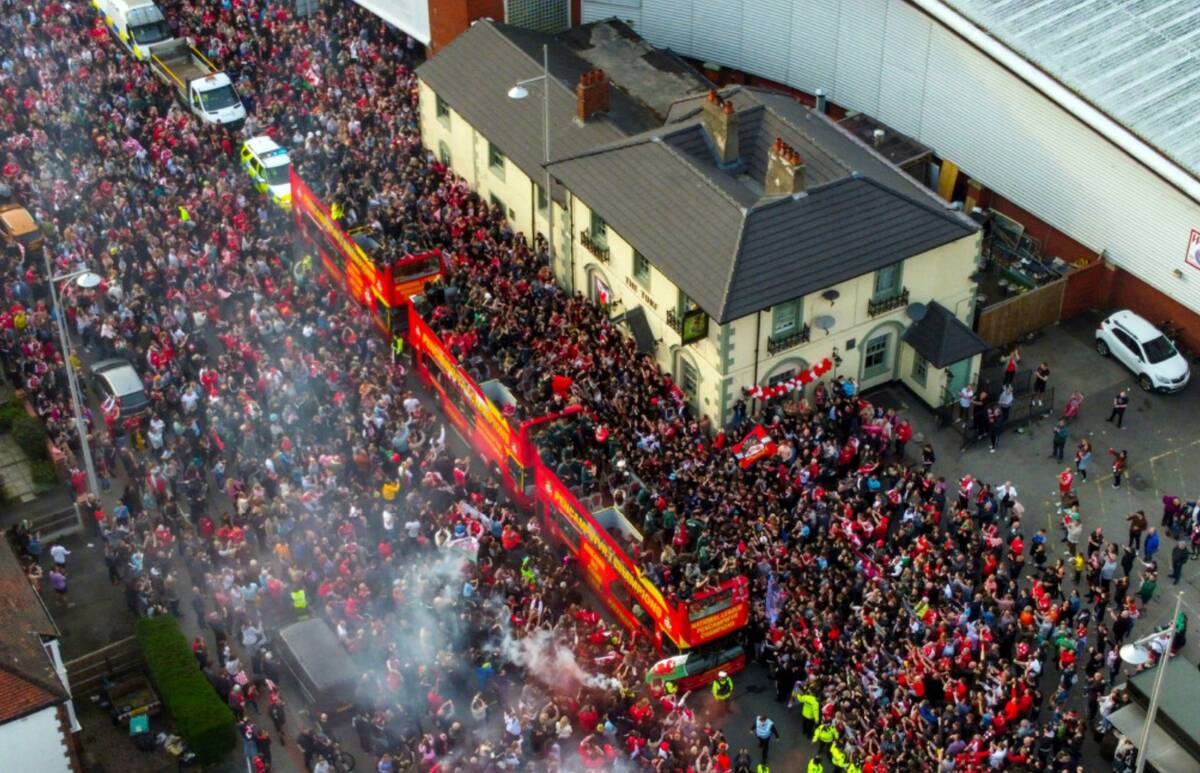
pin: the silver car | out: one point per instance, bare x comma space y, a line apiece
117, 378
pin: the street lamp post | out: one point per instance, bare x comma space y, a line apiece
1135, 654
85, 279
518, 91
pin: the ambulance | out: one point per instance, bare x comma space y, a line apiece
269, 167
136, 23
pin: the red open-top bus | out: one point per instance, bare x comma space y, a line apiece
348, 258
703, 629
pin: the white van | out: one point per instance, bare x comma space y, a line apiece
138, 24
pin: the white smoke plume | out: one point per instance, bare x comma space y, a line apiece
549, 661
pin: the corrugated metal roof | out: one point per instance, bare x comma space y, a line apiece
1135, 60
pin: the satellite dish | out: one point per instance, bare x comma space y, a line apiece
1134, 654
824, 322
916, 311
831, 295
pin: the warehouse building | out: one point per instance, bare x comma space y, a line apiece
1074, 121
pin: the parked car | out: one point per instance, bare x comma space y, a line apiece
17, 226
1143, 349
116, 378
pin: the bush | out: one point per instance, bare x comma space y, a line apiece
9, 412
44, 473
30, 435
201, 717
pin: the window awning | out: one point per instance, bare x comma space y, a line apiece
943, 338
635, 318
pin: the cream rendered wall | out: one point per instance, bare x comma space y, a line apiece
469, 160
942, 274
658, 296
35, 743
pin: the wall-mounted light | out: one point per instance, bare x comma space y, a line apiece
1178, 273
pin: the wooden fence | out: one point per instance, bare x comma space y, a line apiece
121, 658
1010, 319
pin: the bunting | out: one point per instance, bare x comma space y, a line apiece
803, 378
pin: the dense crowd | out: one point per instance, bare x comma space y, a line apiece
284, 452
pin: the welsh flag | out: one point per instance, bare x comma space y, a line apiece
668, 670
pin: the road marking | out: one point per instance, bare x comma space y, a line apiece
1175, 450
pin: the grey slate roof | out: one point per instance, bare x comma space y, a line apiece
734, 251
475, 71
943, 338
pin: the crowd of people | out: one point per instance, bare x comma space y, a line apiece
285, 465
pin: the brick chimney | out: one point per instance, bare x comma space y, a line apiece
591, 94
721, 123
785, 170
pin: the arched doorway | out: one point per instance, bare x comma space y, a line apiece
786, 371
599, 289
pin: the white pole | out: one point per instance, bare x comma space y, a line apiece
72, 384
546, 153
1158, 681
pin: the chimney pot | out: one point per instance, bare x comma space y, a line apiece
728, 107
712, 96
879, 134
591, 94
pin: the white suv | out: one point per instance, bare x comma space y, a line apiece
1144, 350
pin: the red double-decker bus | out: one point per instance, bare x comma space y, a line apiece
350, 259
701, 629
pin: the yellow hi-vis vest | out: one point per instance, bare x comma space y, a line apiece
299, 600
837, 756
722, 689
825, 734
810, 707
815, 766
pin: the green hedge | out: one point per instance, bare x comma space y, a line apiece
201, 717
44, 473
29, 433
9, 412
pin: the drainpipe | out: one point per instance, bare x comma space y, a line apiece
757, 340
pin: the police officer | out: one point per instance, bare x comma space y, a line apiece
824, 736
722, 691
300, 604
815, 765
837, 756
764, 728
810, 710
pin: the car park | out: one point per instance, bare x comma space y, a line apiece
1142, 348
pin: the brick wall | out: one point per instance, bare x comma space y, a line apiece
1088, 288
1055, 243
448, 18
1129, 292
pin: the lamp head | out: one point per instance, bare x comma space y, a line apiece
1134, 654
518, 92
87, 280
